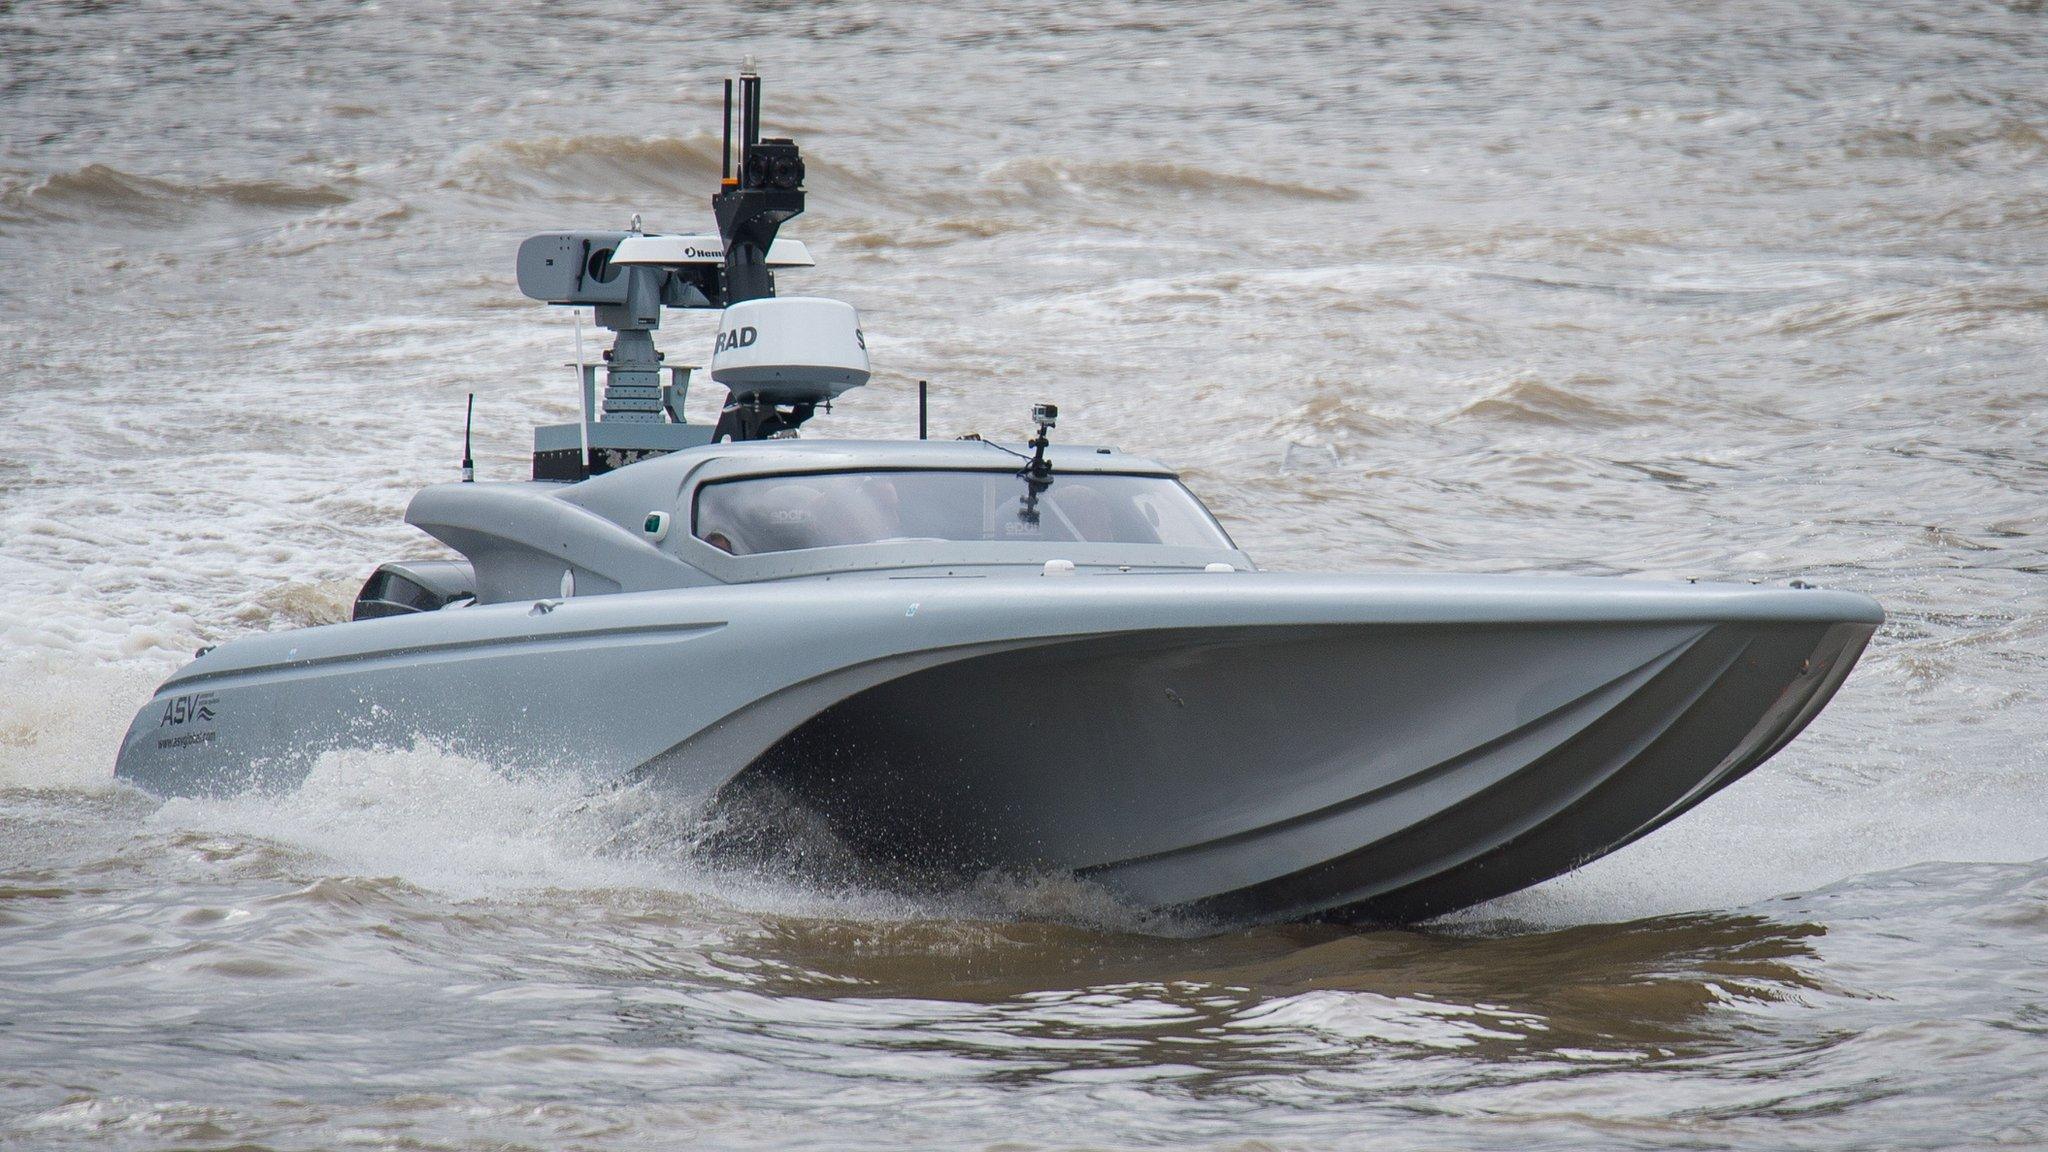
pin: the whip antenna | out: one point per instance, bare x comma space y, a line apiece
582, 403
468, 465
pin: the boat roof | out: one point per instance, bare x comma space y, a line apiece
735, 459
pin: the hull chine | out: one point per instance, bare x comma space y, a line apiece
1362, 773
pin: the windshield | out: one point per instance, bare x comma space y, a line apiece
785, 513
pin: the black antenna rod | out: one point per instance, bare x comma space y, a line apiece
468, 465
726, 150
920, 410
753, 84
746, 124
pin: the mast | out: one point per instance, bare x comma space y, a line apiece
762, 189
779, 359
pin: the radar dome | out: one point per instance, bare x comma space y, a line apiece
790, 349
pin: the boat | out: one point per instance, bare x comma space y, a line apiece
964, 656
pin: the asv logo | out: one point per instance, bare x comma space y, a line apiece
737, 338
188, 709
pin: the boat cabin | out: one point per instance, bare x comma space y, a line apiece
743, 512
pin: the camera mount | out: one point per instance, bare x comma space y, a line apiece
1037, 471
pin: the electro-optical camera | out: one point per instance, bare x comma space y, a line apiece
774, 163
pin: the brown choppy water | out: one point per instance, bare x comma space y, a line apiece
1738, 290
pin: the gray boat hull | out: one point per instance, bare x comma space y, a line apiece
1246, 747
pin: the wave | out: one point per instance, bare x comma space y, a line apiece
1989, 214
604, 166
98, 191
2010, 133
1527, 400
928, 234
1039, 178
614, 167
296, 604
1314, 430
1951, 309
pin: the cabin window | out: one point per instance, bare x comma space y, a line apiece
825, 510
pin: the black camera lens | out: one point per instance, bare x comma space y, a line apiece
775, 164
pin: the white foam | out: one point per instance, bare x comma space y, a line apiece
62, 718
436, 820
464, 829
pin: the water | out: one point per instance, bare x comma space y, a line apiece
1742, 290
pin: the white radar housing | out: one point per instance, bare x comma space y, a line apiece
790, 349
664, 251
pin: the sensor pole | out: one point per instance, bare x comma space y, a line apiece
764, 191
769, 192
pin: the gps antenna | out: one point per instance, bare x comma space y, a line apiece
468, 465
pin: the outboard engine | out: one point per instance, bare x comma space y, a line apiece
401, 587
